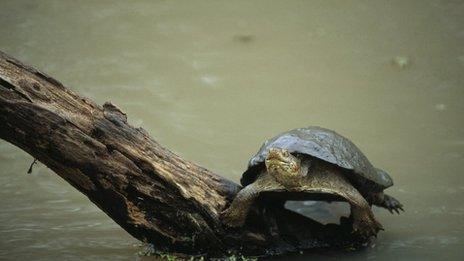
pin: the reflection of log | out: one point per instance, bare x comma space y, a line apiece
149, 191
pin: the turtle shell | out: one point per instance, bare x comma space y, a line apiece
323, 144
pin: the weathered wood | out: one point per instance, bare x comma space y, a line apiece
153, 194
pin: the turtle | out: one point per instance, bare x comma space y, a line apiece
315, 161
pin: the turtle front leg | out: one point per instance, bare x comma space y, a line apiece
328, 180
388, 202
364, 222
236, 214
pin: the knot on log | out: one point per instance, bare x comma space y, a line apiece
113, 113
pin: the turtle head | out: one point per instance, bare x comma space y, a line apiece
281, 162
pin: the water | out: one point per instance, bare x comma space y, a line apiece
212, 79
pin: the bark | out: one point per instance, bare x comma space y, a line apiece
152, 193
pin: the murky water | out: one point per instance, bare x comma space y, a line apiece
212, 79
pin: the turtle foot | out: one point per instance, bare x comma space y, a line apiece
232, 218
392, 204
366, 226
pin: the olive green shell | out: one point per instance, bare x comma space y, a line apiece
320, 143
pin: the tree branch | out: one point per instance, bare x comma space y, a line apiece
153, 194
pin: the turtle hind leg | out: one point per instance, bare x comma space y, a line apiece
388, 202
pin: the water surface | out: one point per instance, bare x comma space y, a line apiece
212, 79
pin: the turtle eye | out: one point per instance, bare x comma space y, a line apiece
296, 167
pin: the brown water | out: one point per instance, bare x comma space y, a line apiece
212, 79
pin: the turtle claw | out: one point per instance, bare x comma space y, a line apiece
366, 227
366, 231
392, 204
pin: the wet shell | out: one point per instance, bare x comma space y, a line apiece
323, 144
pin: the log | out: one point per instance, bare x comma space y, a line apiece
152, 193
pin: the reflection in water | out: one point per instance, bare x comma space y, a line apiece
213, 79
401, 61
